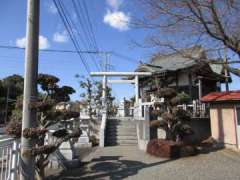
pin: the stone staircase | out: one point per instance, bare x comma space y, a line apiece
120, 132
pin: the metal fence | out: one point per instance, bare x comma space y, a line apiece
197, 109
9, 158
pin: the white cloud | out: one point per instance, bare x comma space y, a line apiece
114, 4
60, 37
52, 8
43, 42
117, 19
21, 42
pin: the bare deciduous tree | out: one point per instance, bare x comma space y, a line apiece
213, 24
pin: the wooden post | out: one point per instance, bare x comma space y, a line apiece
177, 83
225, 70
190, 85
199, 87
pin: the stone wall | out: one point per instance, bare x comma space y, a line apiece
201, 128
94, 126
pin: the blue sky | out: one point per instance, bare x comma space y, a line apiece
111, 35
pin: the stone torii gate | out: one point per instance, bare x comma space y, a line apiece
105, 81
121, 74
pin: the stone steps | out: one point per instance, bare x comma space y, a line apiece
122, 137
120, 129
121, 144
113, 132
121, 132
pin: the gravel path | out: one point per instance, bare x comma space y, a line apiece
126, 162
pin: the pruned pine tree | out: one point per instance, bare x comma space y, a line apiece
173, 120
51, 94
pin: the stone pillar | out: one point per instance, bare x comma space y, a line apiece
104, 112
136, 89
146, 129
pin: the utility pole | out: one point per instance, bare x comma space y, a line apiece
104, 105
104, 83
30, 88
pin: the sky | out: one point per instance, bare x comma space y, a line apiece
110, 20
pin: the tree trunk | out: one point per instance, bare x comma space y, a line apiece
168, 134
40, 162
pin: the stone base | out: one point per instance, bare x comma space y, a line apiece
81, 145
231, 146
66, 150
164, 148
53, 163
142, 145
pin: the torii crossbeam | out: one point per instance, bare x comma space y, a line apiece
119, 74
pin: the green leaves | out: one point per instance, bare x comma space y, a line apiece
173, 119
49, 86
14, 129
47, 82
62, 94
34, 133
181, 115
92, 95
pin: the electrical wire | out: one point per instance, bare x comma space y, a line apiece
57, 50
84, 24
123, 57
69, 29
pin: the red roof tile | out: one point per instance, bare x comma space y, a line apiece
222, 96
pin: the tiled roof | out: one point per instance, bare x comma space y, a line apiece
177, 61
217, 68
222, 96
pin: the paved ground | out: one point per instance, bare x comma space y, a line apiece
125, 162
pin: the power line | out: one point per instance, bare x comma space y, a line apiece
90, 23
61, 11
124, 57
84, 23
58, 50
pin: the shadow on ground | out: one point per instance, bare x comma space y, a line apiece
105, 167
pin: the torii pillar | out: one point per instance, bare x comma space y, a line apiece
136, 89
